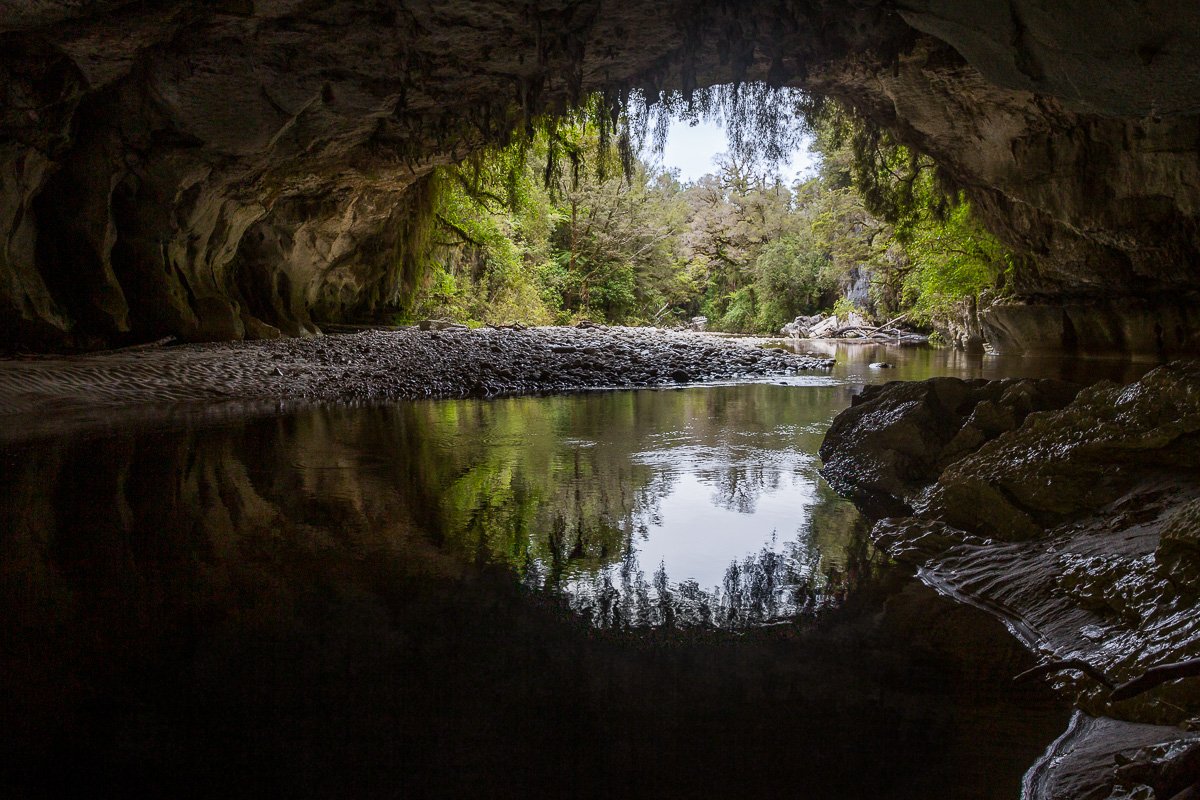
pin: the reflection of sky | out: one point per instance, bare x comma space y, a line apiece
698, 529
696, 538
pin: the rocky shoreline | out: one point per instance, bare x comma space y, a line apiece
1073, 514
383, 365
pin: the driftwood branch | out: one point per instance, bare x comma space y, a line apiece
1150, 679
889, 323
865, 333
1052, 667
1156, 676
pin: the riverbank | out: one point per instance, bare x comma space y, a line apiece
377, 365
1070, 513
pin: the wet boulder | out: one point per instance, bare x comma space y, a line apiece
1064, 464
889, 447
1178, 553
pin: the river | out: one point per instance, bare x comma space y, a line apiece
609, 594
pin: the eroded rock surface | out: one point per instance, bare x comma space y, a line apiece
1077, 526
896, 439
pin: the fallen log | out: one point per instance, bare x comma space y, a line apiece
892, 322
1156, 676
1150, 679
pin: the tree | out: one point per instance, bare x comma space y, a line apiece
570, 223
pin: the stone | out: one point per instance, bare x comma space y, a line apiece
1075, 522
1064, 463
895, 440
800, 327
824, 328
1178, 552
440, 325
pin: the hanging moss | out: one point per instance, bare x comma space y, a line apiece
418, 223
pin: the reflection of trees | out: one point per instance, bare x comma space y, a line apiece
562, 488
795, 580
831, 558
738, 485
529, 488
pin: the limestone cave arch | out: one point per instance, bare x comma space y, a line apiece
246, 168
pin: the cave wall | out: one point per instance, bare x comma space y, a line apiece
249, 168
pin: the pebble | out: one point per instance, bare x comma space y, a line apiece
394, 365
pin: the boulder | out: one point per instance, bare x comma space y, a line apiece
1058, 466
825, 327
1178, 553
800, 327
894, 441
439, 325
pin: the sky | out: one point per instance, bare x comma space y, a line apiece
691, 150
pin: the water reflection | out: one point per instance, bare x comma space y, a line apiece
918, 363
517, 598
285, 605
688, 507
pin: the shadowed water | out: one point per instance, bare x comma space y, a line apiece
559, 597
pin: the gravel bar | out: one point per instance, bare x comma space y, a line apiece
381, 365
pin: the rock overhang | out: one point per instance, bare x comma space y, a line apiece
247, 168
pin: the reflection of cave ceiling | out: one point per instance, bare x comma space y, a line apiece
234, 168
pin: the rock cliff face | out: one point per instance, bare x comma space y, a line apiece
246, 168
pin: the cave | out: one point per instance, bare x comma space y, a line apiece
212, 551
246, 169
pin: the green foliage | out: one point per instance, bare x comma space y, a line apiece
926, 252
741, 309
795, 273
567, 222
950, 260
844, 308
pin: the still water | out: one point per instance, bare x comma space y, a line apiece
602, 595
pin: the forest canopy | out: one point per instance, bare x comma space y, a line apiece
573, 220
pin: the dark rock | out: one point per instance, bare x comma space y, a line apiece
895, 439
1080, 528
1059, 465
1178, 552
1108, 758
